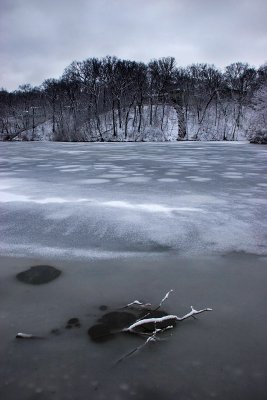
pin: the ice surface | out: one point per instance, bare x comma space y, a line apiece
115, 199
116, 241
224, 350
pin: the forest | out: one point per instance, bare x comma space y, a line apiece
111, 99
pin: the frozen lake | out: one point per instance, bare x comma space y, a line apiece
125, 221
108, 200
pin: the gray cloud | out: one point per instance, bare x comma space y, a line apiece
40, 38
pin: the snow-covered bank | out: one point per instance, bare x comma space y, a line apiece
214, 126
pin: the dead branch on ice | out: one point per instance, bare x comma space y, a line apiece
155, 309
165, 297
137, 303
139, 327
21, 335
151, 338
141, 304
170, 318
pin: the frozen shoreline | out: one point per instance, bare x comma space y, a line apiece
133, 221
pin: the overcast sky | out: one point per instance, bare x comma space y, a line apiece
39, 38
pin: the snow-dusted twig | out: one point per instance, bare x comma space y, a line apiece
22, 335
193, 312
149, 339
166, 318
137, 303
165, 298
152, 338
155, 309
141, 304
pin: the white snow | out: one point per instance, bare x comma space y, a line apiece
135, 180
153, 208
93, 181
82, 214
167, 180
198, 178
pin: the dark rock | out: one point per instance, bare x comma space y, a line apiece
73, 322
100, 333
109, 324
39, 274
55, 331
117, 320
152, 314
103, 308
114, 322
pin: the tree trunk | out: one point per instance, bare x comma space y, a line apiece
151, 112
114, 119
140, 117
181, 121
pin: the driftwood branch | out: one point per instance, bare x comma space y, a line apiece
138, 303
165, 297
21, 335
161, 324
166, 318
149, 323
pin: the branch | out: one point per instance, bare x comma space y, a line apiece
142, 322
155, 309
165, 298
149, 339
21, 335
193, 312
137, 303
152, 338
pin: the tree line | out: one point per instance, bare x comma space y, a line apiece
111, 99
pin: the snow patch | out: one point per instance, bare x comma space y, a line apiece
153, 208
